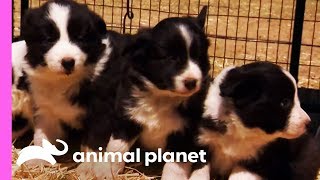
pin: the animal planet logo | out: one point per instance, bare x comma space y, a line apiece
44, 153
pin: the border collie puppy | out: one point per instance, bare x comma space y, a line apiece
64, 50
161, 69
250, 114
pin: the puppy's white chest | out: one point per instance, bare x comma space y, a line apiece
53, 103
158, 120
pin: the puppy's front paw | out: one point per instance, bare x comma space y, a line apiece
240, 173
105, 170
174, 170
84, 171
202, 173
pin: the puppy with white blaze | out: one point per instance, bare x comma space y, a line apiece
64, 46
251, 118
158, 72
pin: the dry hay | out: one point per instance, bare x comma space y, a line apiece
67, 172
64, 171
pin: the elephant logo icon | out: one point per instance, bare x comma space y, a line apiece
45, 152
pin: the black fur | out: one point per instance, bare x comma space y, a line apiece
85, 29
262, 95
23, 83
214, 125
156, 55
19, 122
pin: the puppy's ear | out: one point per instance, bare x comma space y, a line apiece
242, 87
99, 24
29, 24
201, 19
143, 49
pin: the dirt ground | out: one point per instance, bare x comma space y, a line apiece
236, 33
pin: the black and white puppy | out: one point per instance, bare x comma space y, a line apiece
250, 114
158, 72
64, 49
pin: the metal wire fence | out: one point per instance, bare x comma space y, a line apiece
240, 31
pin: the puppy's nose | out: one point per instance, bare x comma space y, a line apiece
190, 84
68, 64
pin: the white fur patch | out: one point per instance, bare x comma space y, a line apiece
104, 59
112, 169
63, 48
298, 118
158, 116
202, 173
38, 136
192, 71
241, 174
213, 102
175, 170
19, 51
186, 36
118, 145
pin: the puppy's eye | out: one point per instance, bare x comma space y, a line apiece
285, 103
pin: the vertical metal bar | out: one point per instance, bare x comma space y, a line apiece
150, 6
24, 8
290, 34
297, 37
130, 16
237, 28
159, 9
208, 15
247, 31
122, 18
215, 40
189, 5
312, 42
169, 8
225, 40
112, 15
179, 8
140, 15
268, 35
258, 28
279, 32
